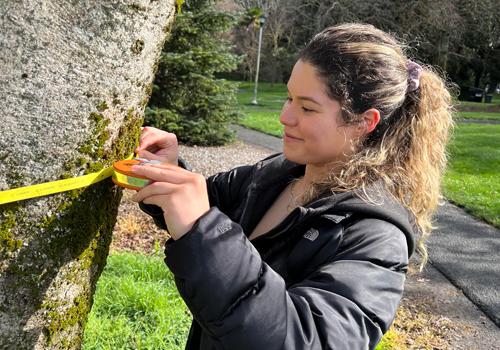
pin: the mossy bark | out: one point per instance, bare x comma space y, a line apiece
75, 80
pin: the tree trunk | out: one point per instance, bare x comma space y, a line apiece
442, 48
75, 78
478, 73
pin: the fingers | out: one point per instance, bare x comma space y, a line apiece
152, 156
155, 189
182, 195
152, 140
162, 173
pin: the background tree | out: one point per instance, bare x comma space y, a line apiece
462, 37
187, 99
76, 76
245, 39
279, 50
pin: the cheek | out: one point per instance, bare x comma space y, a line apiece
331, 140
324, 134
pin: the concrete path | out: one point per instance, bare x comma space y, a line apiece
467, 251
464, 249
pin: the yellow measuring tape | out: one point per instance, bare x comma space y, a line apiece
44, 189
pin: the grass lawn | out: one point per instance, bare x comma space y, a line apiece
263, 87
473, 177
136, 306
269, 100
266, 122
267, 97
479, 115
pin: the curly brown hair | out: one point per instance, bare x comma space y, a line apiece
363, 68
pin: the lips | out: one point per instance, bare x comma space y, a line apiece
290, 138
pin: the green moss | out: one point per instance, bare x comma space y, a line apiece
66, 176
73, 315
102, 106
15, 176
4, 156
102, 138
128, 134
96, 117
94, 167
138, 7
96, 141
13, 179
149, 91
138, 46
85, 149
121, 148
76, 237
8, 222
87, 240
178, 5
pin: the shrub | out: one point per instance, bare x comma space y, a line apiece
187, 99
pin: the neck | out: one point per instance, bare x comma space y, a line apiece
315, 173
312, 174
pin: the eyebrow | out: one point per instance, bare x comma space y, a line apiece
306, 98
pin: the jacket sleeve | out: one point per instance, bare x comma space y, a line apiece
241, 303
226, 190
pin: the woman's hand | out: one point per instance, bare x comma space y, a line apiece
182, 195
158, 145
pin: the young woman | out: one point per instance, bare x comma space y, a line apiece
308, 249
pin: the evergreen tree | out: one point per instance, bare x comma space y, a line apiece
187, 99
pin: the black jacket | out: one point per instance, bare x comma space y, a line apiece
330, 276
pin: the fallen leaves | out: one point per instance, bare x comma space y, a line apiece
135, 231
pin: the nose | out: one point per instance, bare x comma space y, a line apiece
287, 116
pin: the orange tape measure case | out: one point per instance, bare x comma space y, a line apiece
124, 177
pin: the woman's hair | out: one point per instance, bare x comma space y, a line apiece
363, 68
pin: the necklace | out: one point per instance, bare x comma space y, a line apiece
293, 203
295, 181
293, 187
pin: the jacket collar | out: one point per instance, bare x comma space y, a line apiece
275, 173
276, 170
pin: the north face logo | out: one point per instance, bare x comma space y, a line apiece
312, 234
224, 228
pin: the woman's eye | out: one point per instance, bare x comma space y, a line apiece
305, 109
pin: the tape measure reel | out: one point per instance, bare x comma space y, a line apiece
124, 177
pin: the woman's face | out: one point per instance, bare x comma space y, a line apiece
311, 121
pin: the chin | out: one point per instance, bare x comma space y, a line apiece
291, 157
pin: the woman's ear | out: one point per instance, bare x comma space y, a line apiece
370, 119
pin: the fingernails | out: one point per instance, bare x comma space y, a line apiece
135, 167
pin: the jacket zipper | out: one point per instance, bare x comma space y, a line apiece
248, 197
246, 202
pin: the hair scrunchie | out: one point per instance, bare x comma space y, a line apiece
414, 73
